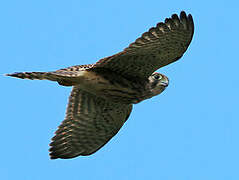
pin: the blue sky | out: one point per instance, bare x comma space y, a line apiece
189, 132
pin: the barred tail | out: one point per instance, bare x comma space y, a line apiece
31, 75
64, 79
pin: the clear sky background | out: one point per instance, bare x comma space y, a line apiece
189, 132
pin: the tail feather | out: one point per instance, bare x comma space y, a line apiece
36, 75
67, 77
30, 75
63, 78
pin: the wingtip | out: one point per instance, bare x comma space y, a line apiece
53, 158
188, 19
183, 14
53, 155
62, 155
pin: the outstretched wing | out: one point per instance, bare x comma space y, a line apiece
89, 124
158, 47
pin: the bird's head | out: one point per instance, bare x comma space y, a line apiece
156, 84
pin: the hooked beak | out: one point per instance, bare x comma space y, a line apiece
164, 82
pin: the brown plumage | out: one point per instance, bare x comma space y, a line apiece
103, 93
90, 122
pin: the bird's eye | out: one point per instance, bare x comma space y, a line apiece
157, 76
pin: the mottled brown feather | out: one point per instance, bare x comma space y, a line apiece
160, 46
89, 124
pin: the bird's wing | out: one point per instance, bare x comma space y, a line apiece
89, 124
158, 47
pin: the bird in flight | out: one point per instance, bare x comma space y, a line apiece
103, 93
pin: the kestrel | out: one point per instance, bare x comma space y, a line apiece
103, 93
